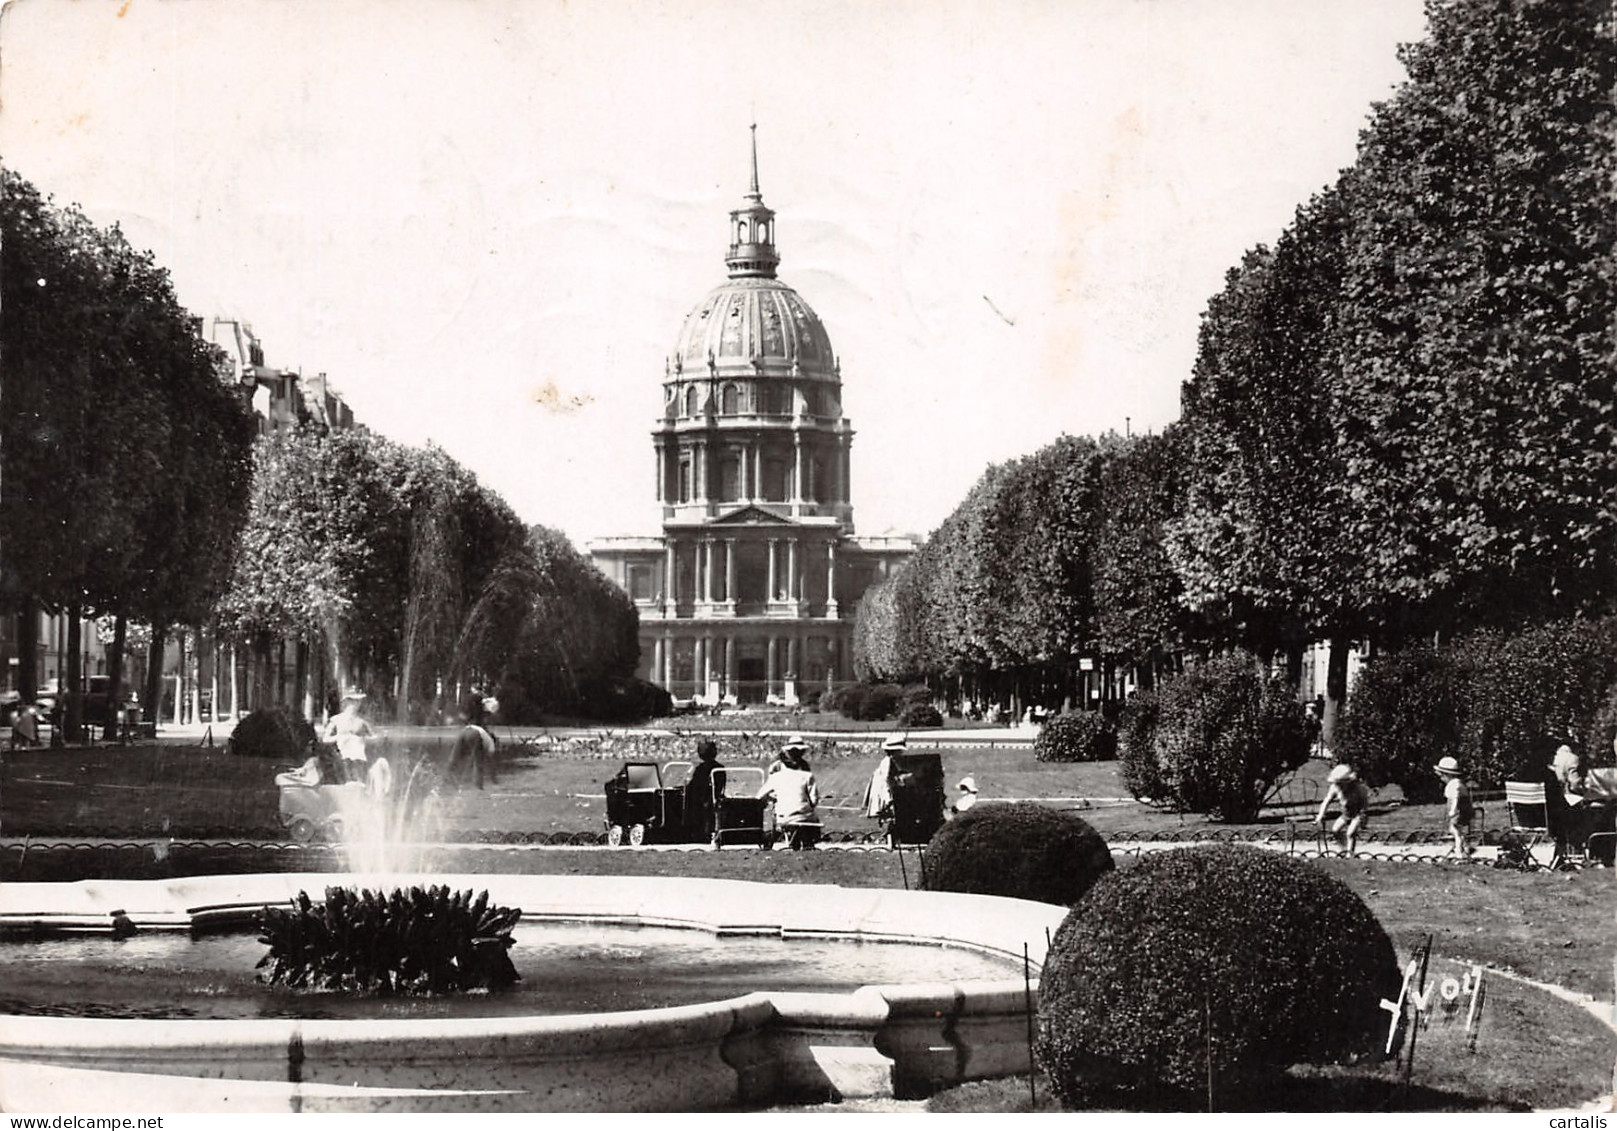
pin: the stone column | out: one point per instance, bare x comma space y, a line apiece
797, 468
662, 485
794, 587
707, 570
730, 572
793, 657
668, 660
730, 667
773, 671
670, 578
774, 572
699, 674
831, 579
657, 660
707, 665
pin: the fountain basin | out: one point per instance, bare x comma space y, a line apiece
753, 1050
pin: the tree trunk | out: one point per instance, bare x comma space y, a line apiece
179, 676
154, 673
193, 676
215, 653
28, 650
1336, 671
301, 679
262, 675
69, 702
1294, 665
235, 683
115, 676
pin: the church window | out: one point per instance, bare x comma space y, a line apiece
690, 400
730, 479
685, 480
776, 473
641, 582
729, 401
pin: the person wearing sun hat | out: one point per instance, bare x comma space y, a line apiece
1458, 795
350, 732
878, 800
792, 788
1347, 790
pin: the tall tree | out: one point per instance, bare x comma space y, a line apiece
1477, 419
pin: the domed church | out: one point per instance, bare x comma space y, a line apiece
748, 596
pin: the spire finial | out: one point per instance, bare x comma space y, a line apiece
755, 191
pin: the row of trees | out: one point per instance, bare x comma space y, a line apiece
124, 460
1400, 422
134, 487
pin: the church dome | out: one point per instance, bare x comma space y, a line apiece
756, 323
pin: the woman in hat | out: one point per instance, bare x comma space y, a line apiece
350, 732
1458, 795
879, 790
791, 786
1348, 791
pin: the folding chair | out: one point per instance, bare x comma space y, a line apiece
1530, 818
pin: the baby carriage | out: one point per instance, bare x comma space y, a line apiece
640, 806
315, 801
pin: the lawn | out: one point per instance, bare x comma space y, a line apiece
1534, 1051
192, 791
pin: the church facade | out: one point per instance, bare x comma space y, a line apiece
748, 594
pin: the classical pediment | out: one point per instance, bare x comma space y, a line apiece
751, 516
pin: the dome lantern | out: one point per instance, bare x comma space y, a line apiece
752, 231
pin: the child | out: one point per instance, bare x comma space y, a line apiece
1458, 795
1346, 788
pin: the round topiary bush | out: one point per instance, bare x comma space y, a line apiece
914, 715
272, 732
1079, 736
1280, 962
1221, 735
1022, 850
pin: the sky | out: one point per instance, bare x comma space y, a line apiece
486, 221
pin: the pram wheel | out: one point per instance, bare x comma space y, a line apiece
614, 836
300, 829
637, 835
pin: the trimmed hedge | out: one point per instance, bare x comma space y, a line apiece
1283, 963
1216, 739
1079, 736
1404, 714
273, 732
872, 702
915, 715
1018, 849
1142, 773
1500, 703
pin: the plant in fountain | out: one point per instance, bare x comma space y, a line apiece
408, 942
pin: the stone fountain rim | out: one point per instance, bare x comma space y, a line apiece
765, 1047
